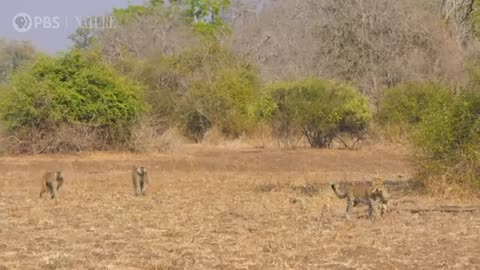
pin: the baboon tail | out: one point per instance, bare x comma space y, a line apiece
42, 190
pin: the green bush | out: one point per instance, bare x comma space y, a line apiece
449, 138
197, 89
223, 101
321, 109
443, 127
407, 103
76, 89
447, 128
166, 85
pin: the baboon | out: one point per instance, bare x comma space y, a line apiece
140, 180
51, 182
362, 193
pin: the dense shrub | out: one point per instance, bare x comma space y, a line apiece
405, 104
77, 89
223, 101
199, 88
449, 137
443, 127
170, 78
321, 109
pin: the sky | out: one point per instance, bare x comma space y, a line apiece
48, 23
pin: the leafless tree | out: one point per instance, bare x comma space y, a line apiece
458, 14
13, 55
165, 31
374, 43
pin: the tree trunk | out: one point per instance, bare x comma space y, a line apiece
458, 14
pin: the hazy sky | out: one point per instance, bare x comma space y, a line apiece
52, 21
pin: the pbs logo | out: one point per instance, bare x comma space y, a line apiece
23, 22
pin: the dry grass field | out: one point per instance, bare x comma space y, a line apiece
223, 208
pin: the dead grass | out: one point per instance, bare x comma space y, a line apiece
149, 139
218, 208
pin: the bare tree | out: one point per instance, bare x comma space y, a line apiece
14, 54
458, 14
276, 36
165, 31
381, 43
374, 43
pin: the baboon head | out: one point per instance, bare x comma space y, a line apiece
379, 193
141, 171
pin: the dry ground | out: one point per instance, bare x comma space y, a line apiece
216, 208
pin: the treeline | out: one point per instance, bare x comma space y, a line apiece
323, 71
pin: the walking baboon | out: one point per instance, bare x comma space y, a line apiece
362, 193
140, 180
51, 183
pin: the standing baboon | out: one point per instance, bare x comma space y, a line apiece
51, 182
364, 193
140, 180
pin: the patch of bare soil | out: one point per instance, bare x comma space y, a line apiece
217, 208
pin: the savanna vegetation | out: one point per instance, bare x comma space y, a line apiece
321, 72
